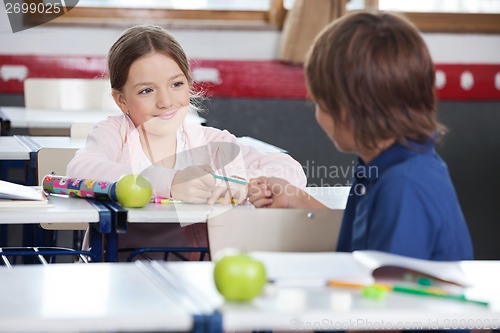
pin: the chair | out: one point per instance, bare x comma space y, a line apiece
55, 161
268, 229
49, 161
45, 255
68, 94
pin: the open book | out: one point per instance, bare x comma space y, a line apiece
14, 195
359, 267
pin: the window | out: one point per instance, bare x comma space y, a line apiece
481, 16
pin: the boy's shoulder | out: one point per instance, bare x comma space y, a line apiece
425, 173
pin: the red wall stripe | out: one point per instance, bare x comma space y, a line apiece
244, 79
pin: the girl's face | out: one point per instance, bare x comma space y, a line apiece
156, 94
340, 133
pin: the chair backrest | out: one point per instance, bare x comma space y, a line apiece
68, 94
80, 130
55, 161
267, 229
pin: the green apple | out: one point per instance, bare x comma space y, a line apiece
133, 191
239, 277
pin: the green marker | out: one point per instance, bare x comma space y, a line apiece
427, 292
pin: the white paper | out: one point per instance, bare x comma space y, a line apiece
10, 190
312, 268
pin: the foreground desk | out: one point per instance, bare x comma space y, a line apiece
324, 308
173, 296
98, 297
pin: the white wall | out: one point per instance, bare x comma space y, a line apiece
220, 44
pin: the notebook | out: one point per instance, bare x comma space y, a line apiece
364, 266
274, 229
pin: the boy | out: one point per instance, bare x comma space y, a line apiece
372, 79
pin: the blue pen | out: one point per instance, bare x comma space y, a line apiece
230, 179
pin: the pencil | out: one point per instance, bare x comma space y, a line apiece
165, 201
230, 179
344, 284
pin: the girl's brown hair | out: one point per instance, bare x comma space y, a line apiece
138, 41
377, 68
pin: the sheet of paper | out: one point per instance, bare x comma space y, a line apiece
10, 190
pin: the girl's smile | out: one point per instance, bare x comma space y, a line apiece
168, 115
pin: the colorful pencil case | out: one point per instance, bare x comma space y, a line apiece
81, 188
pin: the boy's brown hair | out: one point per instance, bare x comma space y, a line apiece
377, 68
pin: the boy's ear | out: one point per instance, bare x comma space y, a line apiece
344, 117
120, 100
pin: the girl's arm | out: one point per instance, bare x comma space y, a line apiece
102, 156
107, 156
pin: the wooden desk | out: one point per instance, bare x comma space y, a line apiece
325, 308
97, 297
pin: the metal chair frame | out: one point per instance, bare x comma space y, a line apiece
45, 255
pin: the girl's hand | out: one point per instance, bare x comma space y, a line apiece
229, 193
193, 184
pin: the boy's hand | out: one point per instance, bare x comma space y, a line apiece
270, 192
193, 184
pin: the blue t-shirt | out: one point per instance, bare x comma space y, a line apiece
404, 202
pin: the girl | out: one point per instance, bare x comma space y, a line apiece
151, 84
372, 79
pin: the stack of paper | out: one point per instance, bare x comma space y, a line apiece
14, 195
